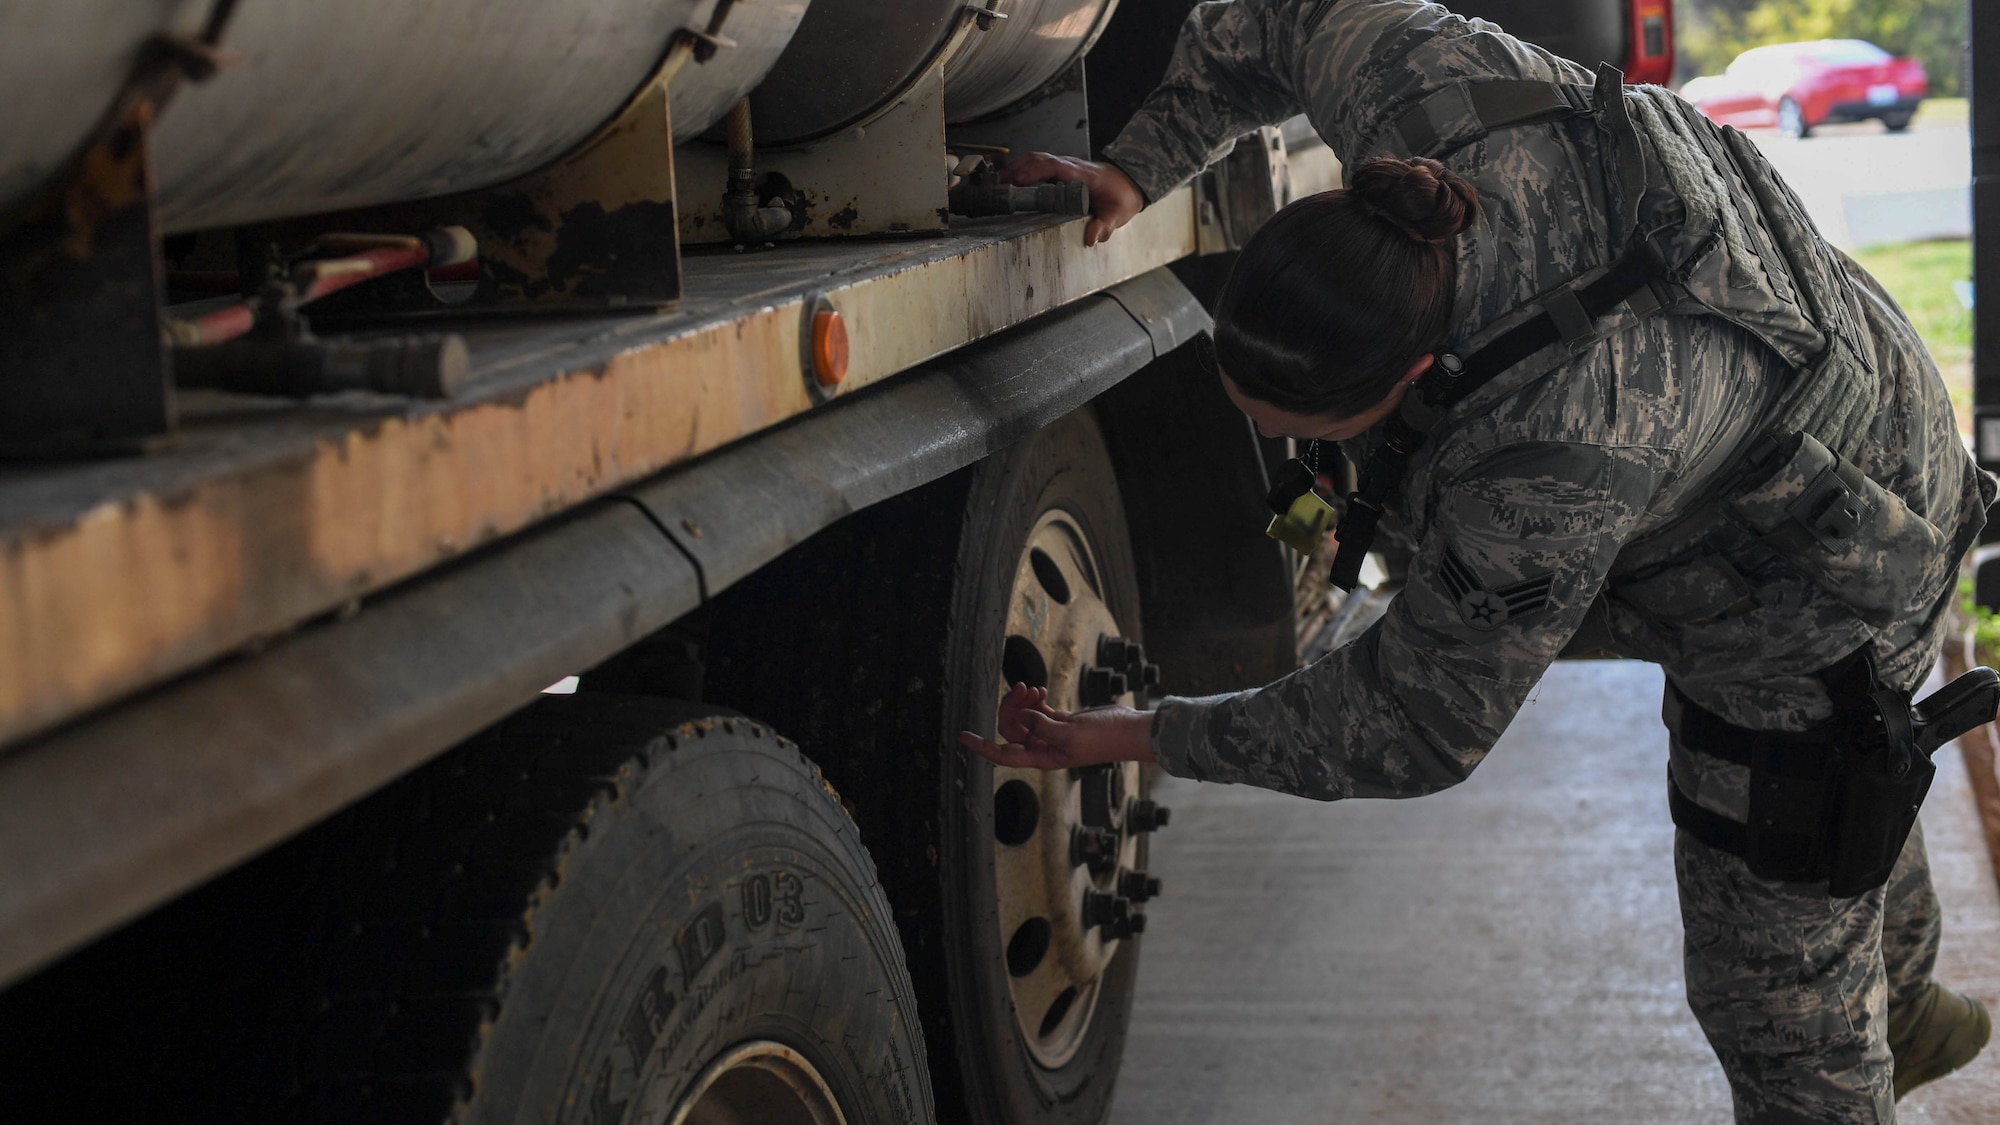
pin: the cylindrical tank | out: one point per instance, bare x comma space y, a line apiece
997, 67
853, 58
61, 67
359, 102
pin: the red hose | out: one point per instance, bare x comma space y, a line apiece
224, 324
322, 276
331, 275
229, 281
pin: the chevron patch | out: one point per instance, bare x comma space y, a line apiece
1489, 609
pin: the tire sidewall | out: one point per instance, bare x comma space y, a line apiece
1066, 467
720, 901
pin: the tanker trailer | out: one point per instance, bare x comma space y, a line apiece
365, 391
302, 514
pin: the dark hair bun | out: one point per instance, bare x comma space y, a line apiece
1420, 197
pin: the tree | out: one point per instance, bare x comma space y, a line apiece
1712, 32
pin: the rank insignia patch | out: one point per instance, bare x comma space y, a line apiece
1489, 609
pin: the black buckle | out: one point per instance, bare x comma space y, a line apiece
1830, 511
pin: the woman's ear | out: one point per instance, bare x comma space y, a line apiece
1422, 364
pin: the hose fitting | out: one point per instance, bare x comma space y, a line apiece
747, 219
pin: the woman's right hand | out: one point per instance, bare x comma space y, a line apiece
1034, 735
1114, 198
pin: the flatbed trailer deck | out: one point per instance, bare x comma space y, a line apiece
272, 527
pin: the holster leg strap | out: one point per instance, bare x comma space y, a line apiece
1711, 828
1793, 795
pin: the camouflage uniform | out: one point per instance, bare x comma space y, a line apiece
1527, 503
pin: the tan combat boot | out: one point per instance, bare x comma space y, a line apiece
1935, 1034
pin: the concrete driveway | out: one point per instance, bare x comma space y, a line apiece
1504, 952
1865, 186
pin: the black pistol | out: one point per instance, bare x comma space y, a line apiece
1887, 771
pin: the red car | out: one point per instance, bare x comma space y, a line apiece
1796, 86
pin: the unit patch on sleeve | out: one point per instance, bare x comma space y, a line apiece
1484, 608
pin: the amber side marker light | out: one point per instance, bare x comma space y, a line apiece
829, 347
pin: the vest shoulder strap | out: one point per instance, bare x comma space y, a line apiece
1459, 113
1573, 314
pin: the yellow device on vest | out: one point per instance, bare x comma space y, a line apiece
1304, 524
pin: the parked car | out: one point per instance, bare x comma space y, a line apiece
1798, 86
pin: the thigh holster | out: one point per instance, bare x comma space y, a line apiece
1834, 803
1793, 798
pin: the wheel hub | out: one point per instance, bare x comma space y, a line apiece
763, 1082
1067, 841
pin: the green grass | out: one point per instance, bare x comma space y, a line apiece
1919, 276
1943, 110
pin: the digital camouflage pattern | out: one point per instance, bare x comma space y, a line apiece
1529, 503
1794, 989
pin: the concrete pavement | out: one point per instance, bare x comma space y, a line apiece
1864, 186
1507, 951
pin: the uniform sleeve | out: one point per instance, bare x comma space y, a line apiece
1226, 78
1519, 546
1352, 65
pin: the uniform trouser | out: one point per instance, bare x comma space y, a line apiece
1793, 987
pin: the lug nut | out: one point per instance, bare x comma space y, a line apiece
1099, 908
1103, 795
1138, 886
1120, 654
1100, 686
1117, 652
1147, 816
1111, 914
1096, 848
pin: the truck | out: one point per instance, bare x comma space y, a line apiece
506, 505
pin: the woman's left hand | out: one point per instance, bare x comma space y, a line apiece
1040, 737
1114, 198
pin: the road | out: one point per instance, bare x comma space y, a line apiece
1865, 186
1507, 951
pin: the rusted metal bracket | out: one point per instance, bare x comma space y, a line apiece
1055, 118
886, 177
83, 364
82, 361
595, 231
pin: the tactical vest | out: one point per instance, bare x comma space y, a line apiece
1678, 178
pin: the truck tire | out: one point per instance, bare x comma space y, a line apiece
901, 626
602, 910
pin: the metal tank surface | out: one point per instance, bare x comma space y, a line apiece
854, 58
1038, 40
61, 67
350, 104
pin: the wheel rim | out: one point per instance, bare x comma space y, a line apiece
761, 1081
1791, 120
1056, 950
